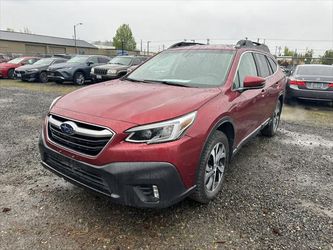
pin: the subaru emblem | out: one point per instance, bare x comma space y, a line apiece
67, 128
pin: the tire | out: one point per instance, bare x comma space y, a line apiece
11, 74
43, 77
79, 78
270, 129
210, 175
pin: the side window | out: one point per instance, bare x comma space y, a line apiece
263, 66
30, 61
247, 67
93, 59
136, 61
273, 64
103, 60
58, 61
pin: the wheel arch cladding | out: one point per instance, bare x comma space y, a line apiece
228, 129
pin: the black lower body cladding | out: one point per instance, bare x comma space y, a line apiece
126, 183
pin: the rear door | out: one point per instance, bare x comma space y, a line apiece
267, 100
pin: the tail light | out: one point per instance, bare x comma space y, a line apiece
297, 82
330, 85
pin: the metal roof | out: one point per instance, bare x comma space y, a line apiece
32, 38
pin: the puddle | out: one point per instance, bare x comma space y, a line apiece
305, 140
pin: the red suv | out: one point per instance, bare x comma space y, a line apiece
169, 128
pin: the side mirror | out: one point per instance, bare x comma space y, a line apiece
90, 63
253, 82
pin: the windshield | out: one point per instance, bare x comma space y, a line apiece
16, 60
121, 60
315, 70
78, 59
193, 68
44, 61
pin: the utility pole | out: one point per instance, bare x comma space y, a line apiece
75, 36
141, 46
208, 40
148, 42
279, 50
122, 47
163, 47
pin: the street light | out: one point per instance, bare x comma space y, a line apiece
75, 36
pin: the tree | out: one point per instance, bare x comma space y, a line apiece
27, 30
10, 30
124, 38
287, 52
327, 58
308, 56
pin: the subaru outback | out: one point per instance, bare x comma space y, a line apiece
168, 129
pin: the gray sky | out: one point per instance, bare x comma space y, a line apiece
296, 24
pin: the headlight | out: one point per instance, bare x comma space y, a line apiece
112, 71
32, 70
54, 102
92, 71
161, 132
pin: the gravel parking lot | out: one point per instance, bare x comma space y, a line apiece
277, 194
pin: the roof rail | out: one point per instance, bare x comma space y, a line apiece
251, 44
184, 44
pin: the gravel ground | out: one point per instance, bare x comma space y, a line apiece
277, 194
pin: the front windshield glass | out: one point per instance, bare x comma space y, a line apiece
121, 61
44, 61
16, 60
315, 70
78, 59
193, 68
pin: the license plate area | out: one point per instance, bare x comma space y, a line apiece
316, 85
18, 75
98, 76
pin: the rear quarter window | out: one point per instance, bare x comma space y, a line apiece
273, 64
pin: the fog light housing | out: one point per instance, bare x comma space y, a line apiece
148, 193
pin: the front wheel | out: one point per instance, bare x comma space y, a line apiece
43, 77
213, 163
11, 74
79, 78
271, 128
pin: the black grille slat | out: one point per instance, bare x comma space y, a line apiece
79, 174
86, 144
99, 71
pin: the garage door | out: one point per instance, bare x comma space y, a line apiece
57, 50
35, 49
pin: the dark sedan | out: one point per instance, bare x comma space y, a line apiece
37, 71
311, 81
76, 69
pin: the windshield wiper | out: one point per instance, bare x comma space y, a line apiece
166, 82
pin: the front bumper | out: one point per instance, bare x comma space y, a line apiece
27, 76
97, 77
59, 75
126, 183
322, 95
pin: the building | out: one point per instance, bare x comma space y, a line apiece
17, 43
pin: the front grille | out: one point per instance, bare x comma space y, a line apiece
83, 174
99, 71
85, 138
20, 72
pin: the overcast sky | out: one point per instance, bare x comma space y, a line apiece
296, 24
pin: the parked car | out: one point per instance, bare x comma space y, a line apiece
311, 81
7, 68
37, 71
154, 137
76, 69
117, 67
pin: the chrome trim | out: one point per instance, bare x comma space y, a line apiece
76, 152
253, 51
251, 134
82, 131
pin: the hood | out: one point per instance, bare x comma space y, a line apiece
8, 65
137, 103
64, 65
31, 66
112, 66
